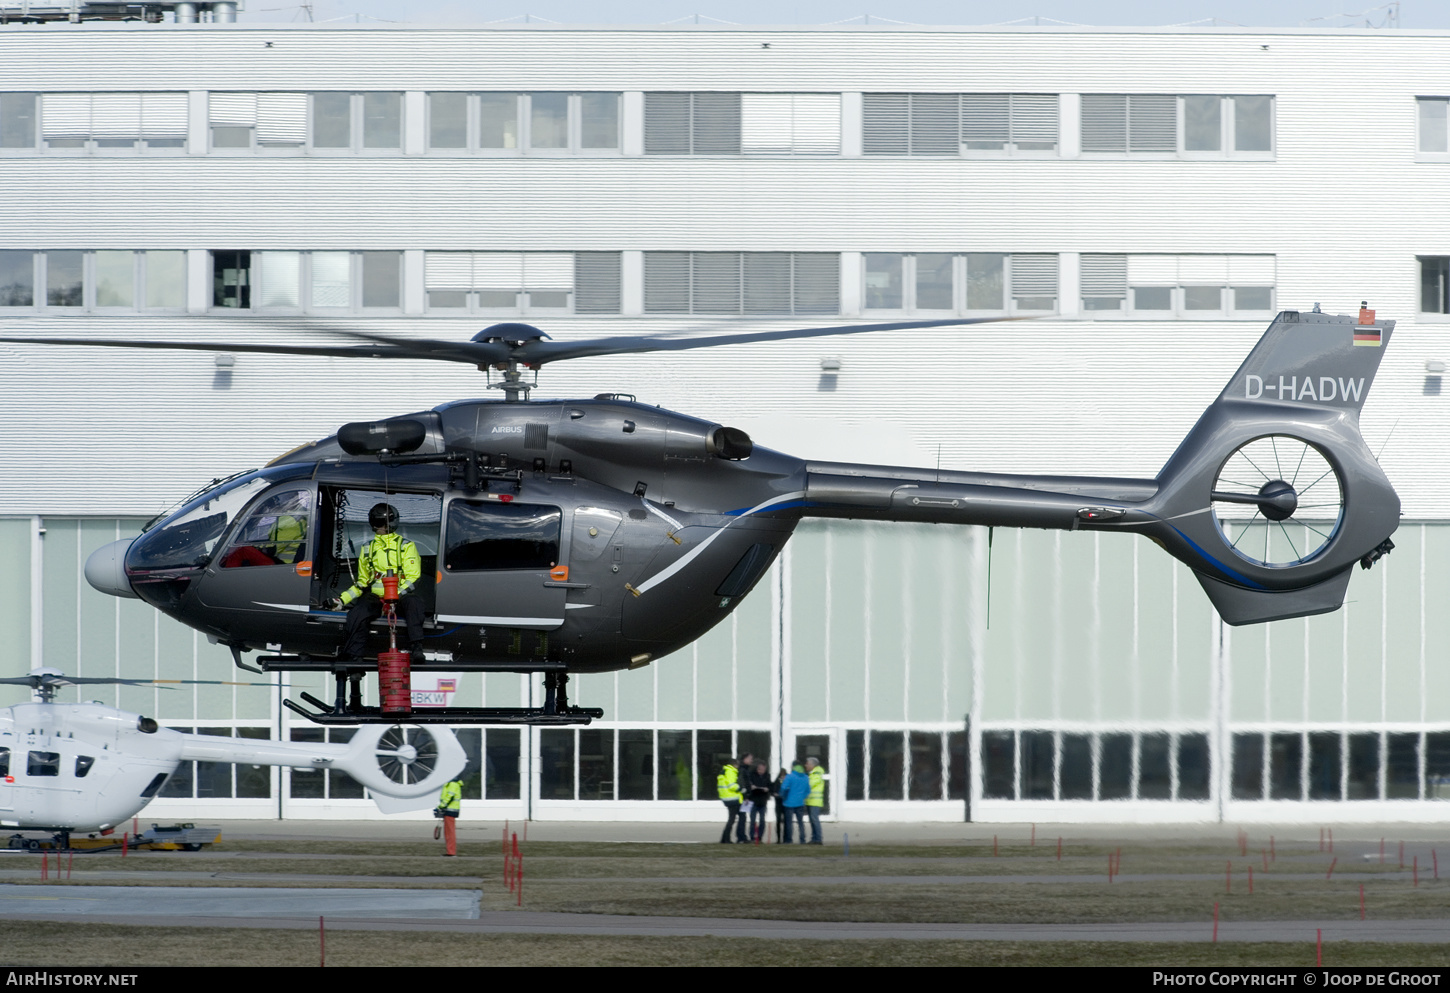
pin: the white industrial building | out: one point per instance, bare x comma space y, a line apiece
1151, 196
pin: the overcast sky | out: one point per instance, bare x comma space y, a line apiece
1248, 13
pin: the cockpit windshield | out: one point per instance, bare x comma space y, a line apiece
186, 539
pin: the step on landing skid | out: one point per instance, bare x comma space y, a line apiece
347, 708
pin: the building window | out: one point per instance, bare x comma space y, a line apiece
1061, 765
93, 121
959, 124
1432, 122
523, 283
799, 283
1434, 284
1194, 126
692, 123
325, 121
307, 282
1182, 287
18, 115
937, 283
558, 123
102, 281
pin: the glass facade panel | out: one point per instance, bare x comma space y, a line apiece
675, 751
1077, 767
165, 280
887, 766
549, 120
448, 120
17, 278
1154, 762
596, 764
498, 120
926, 766
1286, 755
332, 120
382, 120
115, 276
1115, 771
556, 764
502, 765
1324, 766
1193, 767
714, 748
1038, 748
636, 765
64, 279
1402, 767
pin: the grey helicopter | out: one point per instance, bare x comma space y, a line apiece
85, 767
590, 535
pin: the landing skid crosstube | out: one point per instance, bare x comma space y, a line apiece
347, 708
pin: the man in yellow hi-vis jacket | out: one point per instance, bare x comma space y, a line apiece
388, 552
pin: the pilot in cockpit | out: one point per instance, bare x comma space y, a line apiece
387, 552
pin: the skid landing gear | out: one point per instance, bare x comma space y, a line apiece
347, 707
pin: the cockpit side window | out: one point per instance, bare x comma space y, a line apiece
4, 761
275, 533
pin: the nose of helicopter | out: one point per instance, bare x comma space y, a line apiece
105, 569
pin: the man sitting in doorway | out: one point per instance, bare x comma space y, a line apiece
388, 552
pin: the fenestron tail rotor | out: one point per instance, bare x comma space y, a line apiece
1278, 501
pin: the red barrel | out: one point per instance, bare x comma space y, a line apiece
395, 682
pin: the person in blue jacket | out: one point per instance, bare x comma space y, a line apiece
793, 792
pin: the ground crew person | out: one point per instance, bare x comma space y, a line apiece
387, 552
450, 801
727, 783
817, 798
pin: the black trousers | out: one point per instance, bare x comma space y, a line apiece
368, 608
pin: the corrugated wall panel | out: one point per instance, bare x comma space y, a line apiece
1343, 207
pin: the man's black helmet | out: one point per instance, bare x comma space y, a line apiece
383, 515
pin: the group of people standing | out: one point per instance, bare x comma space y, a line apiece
746, 789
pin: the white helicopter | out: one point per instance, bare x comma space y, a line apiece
78, 767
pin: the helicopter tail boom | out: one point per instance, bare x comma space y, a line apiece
403, 767
1271, 498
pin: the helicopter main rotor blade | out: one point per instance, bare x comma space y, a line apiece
534, 352
470, 352
538, 352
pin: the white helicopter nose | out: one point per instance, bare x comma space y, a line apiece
106, 571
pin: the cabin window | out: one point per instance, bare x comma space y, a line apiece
484, 535
43, 764
4, 761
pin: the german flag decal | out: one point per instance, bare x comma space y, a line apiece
1367, 336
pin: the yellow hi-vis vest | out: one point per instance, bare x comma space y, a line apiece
818, 788
728, 783
452, 795
383, 553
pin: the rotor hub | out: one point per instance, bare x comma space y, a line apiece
1277, 500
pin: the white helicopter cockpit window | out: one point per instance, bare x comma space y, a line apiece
187, 539
484, 535
4, 761
275, 533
